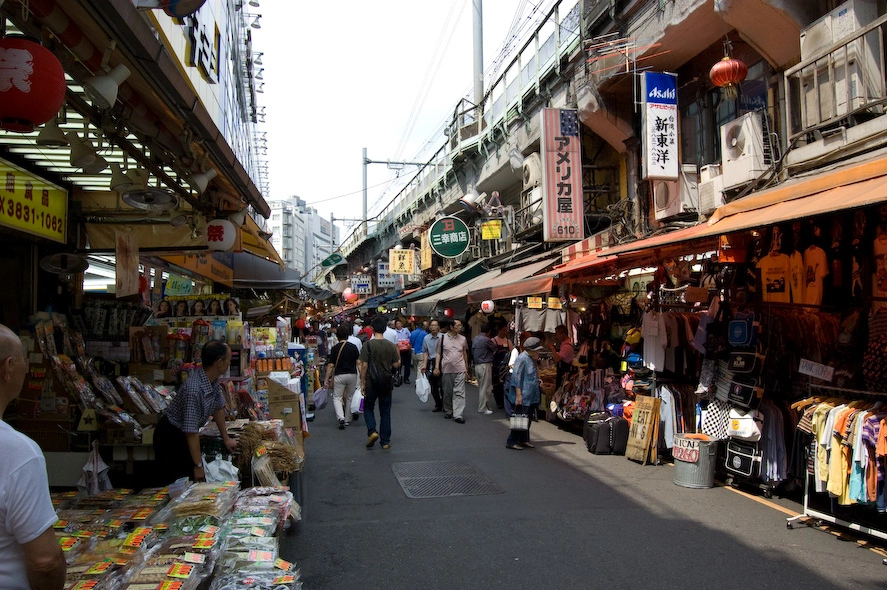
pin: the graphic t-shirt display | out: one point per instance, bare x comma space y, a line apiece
816, 265
798, 277
775, 269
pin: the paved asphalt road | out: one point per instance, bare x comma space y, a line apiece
566, 518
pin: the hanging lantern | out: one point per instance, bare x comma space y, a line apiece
300, 323
220, 235
728, 73
32, 88
487, 306
448, 312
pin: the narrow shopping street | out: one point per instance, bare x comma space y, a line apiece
565, 518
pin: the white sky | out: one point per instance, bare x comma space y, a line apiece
340, 76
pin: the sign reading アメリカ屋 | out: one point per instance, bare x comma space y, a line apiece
449, 237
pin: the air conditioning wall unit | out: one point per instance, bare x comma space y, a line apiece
532, 171
711, 195
832, 93
742, 150
709, 171
674, 198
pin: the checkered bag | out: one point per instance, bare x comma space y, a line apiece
714, 422
874, 363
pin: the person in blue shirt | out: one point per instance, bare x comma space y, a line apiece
524, 392
417, 338
430, 346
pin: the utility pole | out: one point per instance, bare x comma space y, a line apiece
477, 20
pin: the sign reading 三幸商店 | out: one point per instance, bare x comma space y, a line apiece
563, 218
660, 96
32, 205
449, 237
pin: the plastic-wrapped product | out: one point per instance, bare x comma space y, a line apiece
257, 581
132, 395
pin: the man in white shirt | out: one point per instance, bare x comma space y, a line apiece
30, 557
358, 324
390, 334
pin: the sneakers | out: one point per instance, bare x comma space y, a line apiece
347, 423
437, 410
448, 415
354, 417
528, 445
459, 420
342, 424
406, 381
372, 439
386, 446
515, 447
487, 412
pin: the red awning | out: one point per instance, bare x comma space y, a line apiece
516, 282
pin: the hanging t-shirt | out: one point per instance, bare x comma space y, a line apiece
775, 269
797, 277
816, 265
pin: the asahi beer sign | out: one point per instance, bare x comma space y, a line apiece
660, 114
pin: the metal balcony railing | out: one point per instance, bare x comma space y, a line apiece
843, 81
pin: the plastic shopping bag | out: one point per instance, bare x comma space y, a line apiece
220, 470
423, 388
321, 397
357, 401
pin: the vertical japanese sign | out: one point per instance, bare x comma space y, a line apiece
425, 252
562, 203
660, 122
384, 280
402, 262
361, 284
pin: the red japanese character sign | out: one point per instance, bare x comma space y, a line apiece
220, 235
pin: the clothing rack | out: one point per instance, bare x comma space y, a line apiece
828, 517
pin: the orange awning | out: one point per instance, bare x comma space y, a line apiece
515, 282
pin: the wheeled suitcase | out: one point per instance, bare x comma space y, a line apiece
619, 428
590, 429
601, 437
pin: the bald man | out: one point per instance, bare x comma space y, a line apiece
30, 557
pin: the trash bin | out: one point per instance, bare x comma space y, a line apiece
694, 462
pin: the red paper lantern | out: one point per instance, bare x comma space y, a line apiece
32, 88
300, 323
448, 312
488, 306
728, 73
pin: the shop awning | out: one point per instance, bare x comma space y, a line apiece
457, 277
373, 302
584, 264
427, 306
253, 272
515, 282
254, 243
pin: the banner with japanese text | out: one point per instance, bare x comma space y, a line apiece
660, 123
562, 202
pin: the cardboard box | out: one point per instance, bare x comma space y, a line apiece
283, 404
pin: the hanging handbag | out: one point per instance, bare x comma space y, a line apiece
743, 329
745, 425
745, 362
745, 392
714, 422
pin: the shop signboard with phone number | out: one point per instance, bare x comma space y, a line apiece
32, 205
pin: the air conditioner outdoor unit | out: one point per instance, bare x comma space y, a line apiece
708, 172
742, 150
711, 195
832, 93
672, 198
532, 171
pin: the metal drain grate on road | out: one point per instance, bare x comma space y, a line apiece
440, 479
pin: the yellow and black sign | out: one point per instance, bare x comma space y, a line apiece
491, 230
534, 302
32, 205
403, 262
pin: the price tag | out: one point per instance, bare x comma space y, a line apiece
190, 557
261, 451
84, 534
161, 528
210, 529
283, 565
143, 530
100, 567
257, 531
85, 585
133, 540
266, 521
180, 570
70, 494
142, 514
256, 555
68, 543
206, 536
204, 543
285, 579
119, 561
277, 498
170, 585
60, 524
115, 524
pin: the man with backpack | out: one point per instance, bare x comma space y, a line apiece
378, 359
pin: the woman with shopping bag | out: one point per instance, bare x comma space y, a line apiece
341, 375
524, 395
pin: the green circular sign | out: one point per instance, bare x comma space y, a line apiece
449, 237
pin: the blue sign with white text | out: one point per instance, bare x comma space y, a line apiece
660, 88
